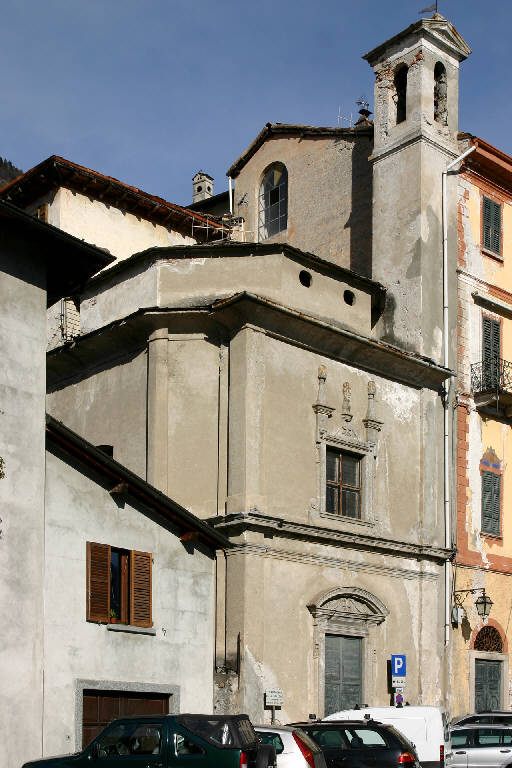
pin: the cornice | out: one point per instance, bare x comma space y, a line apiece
237, 524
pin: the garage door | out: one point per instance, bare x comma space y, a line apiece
101, 707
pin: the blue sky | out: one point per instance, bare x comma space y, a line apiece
150, 91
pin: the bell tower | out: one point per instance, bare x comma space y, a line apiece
415, 137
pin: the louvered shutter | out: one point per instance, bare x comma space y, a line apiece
491, 487
98, 582
140, 589
491, 352
492, 225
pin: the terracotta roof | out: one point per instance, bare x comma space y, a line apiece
362, 127
57, 172
488, 161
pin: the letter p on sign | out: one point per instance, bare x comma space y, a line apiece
398, 665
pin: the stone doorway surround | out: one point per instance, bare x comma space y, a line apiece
348, 611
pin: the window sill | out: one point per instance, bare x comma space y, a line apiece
492, 255
132, 629
343, 519
494, 536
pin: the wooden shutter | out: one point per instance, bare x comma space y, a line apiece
491, 225
140, 589
491, 488
491, 332
98, 582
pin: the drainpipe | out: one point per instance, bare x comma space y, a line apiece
230, 183
447, 463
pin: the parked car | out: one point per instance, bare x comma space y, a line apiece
427, 728
481, 746
361, 743
489, 717
219, 741
294, 748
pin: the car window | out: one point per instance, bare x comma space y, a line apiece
184, 746
364, 737
503, 719
129, 739
506, 738
461, 738
327, 738
271, 738
488, 737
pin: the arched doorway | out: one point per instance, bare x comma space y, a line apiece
344, 620
489, 668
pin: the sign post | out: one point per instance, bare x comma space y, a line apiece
398, 677
274, 698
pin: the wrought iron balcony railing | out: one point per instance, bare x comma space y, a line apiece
491, 375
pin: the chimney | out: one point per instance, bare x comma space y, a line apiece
202, 187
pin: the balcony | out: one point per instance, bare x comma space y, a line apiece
491, 384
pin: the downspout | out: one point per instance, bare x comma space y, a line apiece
446, 440
230, 183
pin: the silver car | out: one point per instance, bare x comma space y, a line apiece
481, 746
294, 748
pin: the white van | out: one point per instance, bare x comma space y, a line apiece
428, 728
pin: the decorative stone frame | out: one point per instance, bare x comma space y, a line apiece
348, 611
345, 438
489, 656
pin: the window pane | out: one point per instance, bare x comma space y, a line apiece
350, 470
115, 585
350, 503
331, 500
333, 463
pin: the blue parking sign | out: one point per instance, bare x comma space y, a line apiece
398, 665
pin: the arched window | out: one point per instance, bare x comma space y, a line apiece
440, 94
401, 93
273, 202
489, 640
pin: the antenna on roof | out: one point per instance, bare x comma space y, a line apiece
342, 119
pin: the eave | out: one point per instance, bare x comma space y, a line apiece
488, 162
124, 481
57, 172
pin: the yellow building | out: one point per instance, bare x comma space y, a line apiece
483, 568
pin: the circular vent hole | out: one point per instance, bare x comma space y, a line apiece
349, 298
305, 278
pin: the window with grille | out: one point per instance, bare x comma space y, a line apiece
273, 202
491, 493
491, 220
343, 484
118, 585
489, 640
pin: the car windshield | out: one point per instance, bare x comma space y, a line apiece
348, 737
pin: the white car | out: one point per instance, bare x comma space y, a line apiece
294, 748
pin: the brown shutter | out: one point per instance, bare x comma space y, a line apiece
140, 589
98, 582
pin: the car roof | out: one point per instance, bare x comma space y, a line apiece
276, 728
337, 723
474, 726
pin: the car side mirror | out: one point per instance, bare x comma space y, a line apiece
95, 751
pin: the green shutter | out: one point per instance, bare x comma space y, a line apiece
491, 351
492, 225
491, 487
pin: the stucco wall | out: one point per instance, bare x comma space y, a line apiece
22, 388
109, 408
78, 510
329, 196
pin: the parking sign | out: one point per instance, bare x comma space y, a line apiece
398, 665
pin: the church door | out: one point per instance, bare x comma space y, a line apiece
343, 673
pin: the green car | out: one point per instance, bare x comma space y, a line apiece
169, 741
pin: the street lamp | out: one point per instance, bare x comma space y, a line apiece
483, 604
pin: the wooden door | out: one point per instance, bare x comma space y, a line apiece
487, 685
101, 707
343, 673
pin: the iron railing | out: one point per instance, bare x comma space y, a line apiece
493, 374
